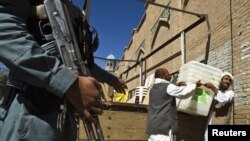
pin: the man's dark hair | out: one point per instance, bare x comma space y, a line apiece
160, 73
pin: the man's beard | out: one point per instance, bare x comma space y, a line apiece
223, 87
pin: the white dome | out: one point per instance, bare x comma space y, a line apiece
110, 57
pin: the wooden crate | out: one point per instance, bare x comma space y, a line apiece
122, 122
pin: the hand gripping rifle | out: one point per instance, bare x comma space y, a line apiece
74, 40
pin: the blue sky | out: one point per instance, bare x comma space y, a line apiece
114, 21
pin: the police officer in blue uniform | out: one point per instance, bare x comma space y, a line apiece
39, 83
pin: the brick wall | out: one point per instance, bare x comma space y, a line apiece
229, 48
241, 56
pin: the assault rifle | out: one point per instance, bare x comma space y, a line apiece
75, 42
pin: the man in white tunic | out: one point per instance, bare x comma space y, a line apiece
220, 112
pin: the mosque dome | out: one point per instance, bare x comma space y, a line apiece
110, 57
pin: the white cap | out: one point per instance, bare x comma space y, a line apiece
227, 73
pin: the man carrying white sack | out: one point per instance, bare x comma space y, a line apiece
220, 112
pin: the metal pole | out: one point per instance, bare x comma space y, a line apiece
183, 48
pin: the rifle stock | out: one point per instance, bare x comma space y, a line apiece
68, 41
